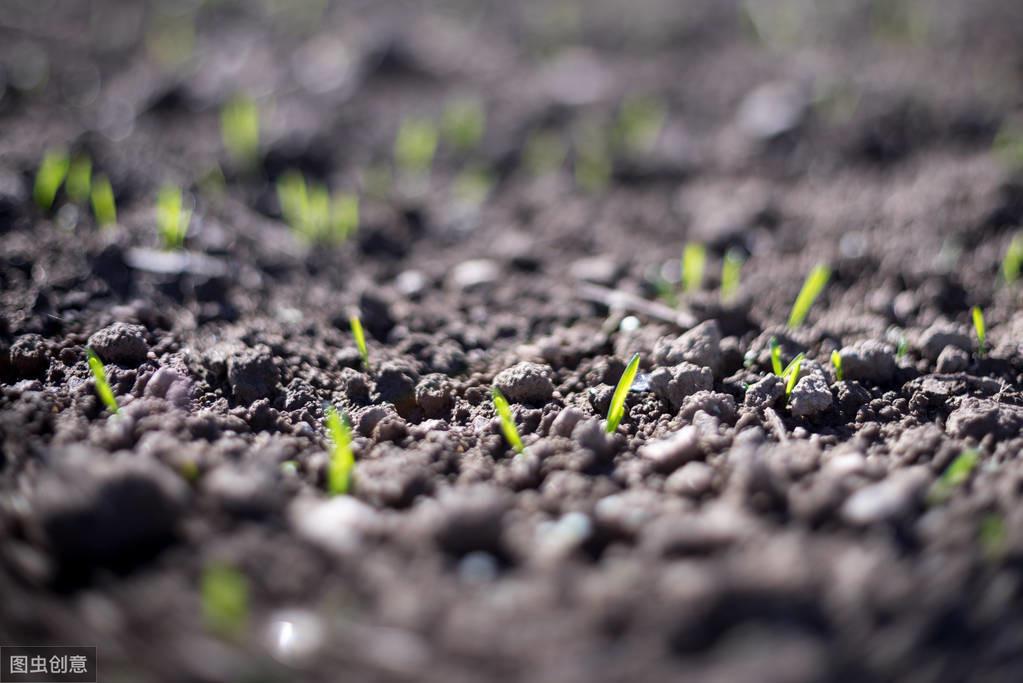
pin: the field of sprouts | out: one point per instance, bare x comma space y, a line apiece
550, 340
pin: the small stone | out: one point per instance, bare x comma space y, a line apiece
526, 383
674, 384
811, 395
772, 109
596, 269
566, 421
435, 395
934, 340
252, 374
248, 492
340, 524
721, 406
474, 273
766, 392
120, 343
28, 356
396, 384
980, 417
471, 519
953, 359
590, 435
868, 361
701, 346
670, 453
692, 479
887, 500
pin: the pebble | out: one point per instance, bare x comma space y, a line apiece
526, 383
670, 453
887, 500
692, 479
474, 273
701, 346
120, 343
339, 524
934, 340
953, 359
980, 417
868, 361
674, 384
766, 392
252, 374
28, 356
811, 395
471, 518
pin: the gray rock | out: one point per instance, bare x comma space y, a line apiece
674, 384
692, 479
252, 375
396, 384
596, 269
772, 109
670, 453
953, 359
526, 383
566, 421
590, 435
120, 343
811, 395
721, 406
472, 519
243, 491
980, 417
868, 361
394, 480
701, 345
341, 524
435, 395
888, 500
474, 273
29, 356
936, 337
766, 392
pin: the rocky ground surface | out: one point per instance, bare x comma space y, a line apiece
725, 532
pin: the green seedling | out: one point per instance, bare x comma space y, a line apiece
360, 339
812, 287
472, 186
415, 146
545, 152
776, 357
956, 474
224, 592
640, 121
239, 129
980, 328
731, 274
342, 459
104, 208
903, 348
616, 411
836, 362
313, 214
992, 535
99, 375
50, 177
792, 372
463, 123
172, 220
694, 258
79, 179
508, 428
1012, 263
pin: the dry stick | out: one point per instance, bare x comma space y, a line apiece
616, 299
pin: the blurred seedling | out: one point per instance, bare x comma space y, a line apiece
545, 152
592, 158
640, 121
980, 328
313, 214
1013, 260
504, 414
463, 123
415, 146
172, 220
776, 356
616, 411
694, 260
104, 207
51, 174
836, 362
812, 287
99, 376
239, 130
902, 348
360, 339
992, 535
731, 274
1008, 146
224, 592
342, 459
79, 179
472, 186
792, 373
956, 474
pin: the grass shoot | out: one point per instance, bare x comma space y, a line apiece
99, 375
731, 274
812, 287
694, 259
640, 121
313, 214
463, 123
1012, 263
776, 357
616, 411
239, 130
52, 172
172, 220
342, 459
980, 328
836, 362
104, 208
956, 474
224, 592
792, 372
79, 179
415, 146
360, 339
508, 428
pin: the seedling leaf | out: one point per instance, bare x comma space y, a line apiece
1012, 263
103, 205
239, 129
812, 287
694, 258
776, 356
463, 123
415, 145
360, 339
79, 179
171, 219
731, 273
225, 600
616, 411
508, 428
49, 178
980, 328
99, 375
836, 361
956, 474
792, 372
342, 459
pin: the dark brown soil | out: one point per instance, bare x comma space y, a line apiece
724, 533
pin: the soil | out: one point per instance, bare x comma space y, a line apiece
725, 532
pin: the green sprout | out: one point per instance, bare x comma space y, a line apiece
812, 287
980, 328
508, 428
792, 372
50, 177
79, 179
545, 152
592, 159
776, 356
313, 214
640, 121
731, 273
239, 129
992, 535
694, 258
1013, 260
99, 375
171, 219
224, 592
415, 146
473, 185
903, 347
463, 123
360, 339
836, 361
103, 205
955, 475
342, 459
616, 411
